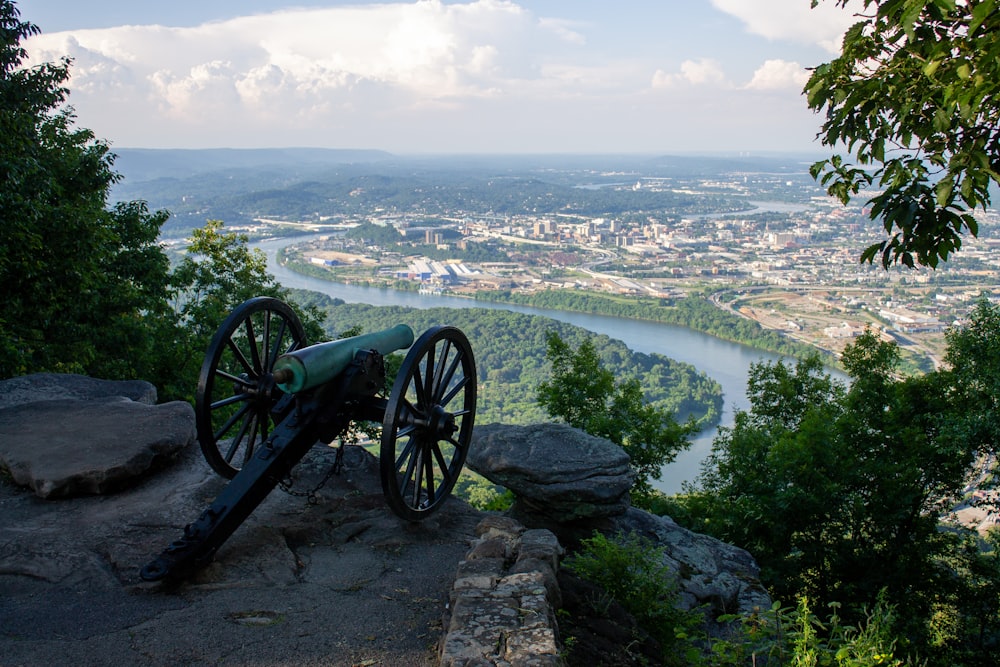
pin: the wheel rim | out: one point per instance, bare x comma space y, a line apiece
237, 401
428, 423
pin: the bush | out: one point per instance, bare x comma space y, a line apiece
632, 572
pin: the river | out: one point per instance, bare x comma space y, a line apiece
727, 363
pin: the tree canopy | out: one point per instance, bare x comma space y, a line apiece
78, 278
914, 97
840, 491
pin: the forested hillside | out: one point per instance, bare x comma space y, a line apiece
693, 312
510, 357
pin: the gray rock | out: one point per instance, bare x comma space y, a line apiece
67, 447
54, 386
572, 484
556, 472
342, 581
710, 572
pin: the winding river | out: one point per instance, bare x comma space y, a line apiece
727, 363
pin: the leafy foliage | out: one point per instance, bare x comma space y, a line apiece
82, 284
632, 571
839, 491
87, 288
586, 395
800, 638
914, 96
218, 272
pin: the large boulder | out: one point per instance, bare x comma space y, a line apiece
66, 435
558, 474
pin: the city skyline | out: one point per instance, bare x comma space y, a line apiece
490, 76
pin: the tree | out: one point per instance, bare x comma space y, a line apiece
80, 282
217, 273
585, 394
914, 96
839, 492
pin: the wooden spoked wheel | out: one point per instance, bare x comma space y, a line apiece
428, 423
237, 402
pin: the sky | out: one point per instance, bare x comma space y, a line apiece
442, 76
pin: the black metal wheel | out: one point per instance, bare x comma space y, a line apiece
428, 423
237, 402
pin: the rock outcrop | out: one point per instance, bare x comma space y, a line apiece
67, 435
559, 475
298, 569
549, 468
338, 581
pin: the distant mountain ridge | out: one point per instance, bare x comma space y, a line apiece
144, 164
239, 186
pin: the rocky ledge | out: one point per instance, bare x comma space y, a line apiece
101, 478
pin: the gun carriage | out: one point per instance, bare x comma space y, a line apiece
265, 398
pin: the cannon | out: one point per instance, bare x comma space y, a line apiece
265, 398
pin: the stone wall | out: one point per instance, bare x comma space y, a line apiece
502, 605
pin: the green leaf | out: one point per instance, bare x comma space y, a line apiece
943, 191
980, 13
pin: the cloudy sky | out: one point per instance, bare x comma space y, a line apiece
444, 76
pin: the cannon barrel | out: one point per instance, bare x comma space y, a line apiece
317, 364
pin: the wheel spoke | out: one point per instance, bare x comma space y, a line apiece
218, 435
235, 398
419, 393
450, 374
275, 350
225, 375
405, 431
442, 464
405, 454
252, 441
428, 461
451, 394
241, 358
439, 385
414, 471
238, 440
252, 344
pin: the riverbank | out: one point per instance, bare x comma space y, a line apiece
693, 312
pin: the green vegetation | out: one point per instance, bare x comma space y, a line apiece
631, 571
914, 95
69, 267
839, 492
799, 638
586, 395
694, 312
510, 353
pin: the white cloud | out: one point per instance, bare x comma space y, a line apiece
426, 75
779, 75
794, 20
702, 72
